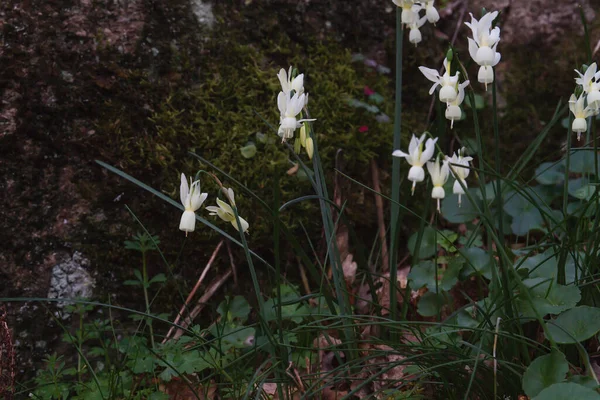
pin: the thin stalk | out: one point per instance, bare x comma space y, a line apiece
395, 209
146, 300
561, 275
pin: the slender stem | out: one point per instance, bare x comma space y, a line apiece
395, 208
145, 286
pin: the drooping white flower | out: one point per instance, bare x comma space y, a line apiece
417, 157
590, 81
576, 105
289, 109
410, 10
482, 47
439, 176
459, 167
453, 111
430, 11
448, 82
225, 212
288, 84
415, 34
191, 199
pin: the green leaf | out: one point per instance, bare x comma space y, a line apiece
582, 160
234, 309
550, 173
428, 243
477, 261
562, 391
575, 325
466, 212
446, 239
431, 304
158, 278
249, 150
545, 371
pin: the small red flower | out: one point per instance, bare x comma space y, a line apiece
363, 129
368, 91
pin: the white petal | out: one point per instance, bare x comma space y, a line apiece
497, 58
431, 74
298, 83
429, 149
413, 144
399, 153
184, 189
198, 199
282, 100
283, 80
473, 49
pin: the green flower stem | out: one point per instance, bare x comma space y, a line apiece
395, 208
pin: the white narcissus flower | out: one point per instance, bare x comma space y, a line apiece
289, 109
225, 212
448, 91
430, 11
590, 81
410, 10
288, 84
439, 176
459, 167
453, 111
482, 47
192, 199
415, 34
417, 157
577, 108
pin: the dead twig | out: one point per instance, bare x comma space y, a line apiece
210, 291
194, 290
380, 219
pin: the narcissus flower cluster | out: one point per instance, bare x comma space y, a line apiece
420, 151
411, 16
588, 102
192, 199
290, 101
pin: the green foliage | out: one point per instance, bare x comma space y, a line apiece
545, 371
561, 391
575, 325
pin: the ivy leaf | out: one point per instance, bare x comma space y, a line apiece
545, 371
575, 325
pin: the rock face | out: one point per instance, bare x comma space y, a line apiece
539, 21
71, 279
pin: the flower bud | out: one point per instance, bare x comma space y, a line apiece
449, 55
310, 147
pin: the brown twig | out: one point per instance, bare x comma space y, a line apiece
194, 290
380, 219
210, 291
304, 277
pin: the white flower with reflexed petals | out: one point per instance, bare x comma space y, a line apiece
453, 111
289, 109
577, 108
410, 10
482, 47
191, 199
225, 212
439, 176
288, 84
448, 82
430, 11
415, 36
590, 81
459, 167
417, 157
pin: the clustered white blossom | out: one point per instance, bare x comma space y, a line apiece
290, 101
482, 47
590, 84
412, 19
417, 157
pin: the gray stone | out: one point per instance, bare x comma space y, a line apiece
70, 279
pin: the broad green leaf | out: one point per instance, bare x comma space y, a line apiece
575, 325
545, 371
542, 265
423, 274
547, 297
582, 160
477, 261
235, 308
466, 212
550, 173
567, 391
428, 246
431, 304
479, 102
